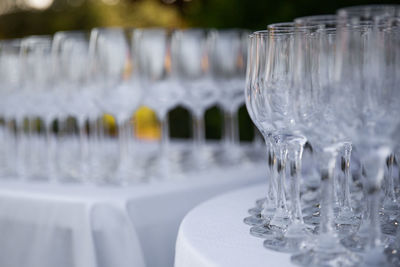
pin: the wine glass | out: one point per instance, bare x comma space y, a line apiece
227, 59
372, 52
319, 121
112, 92
70, 52
190, 67
153, 62
35, 56
287, 77
10, 76
262, 214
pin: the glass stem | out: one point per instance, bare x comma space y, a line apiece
21, 146
228, 135
198, 130
165, 134
375, 230
328, 161
295, 172
31, 146
270, 200
83, 148
374, 162
281, 198
165, 145
95, 140
390, 182
272, 176
129, 136
51, 147
122, 139
235, 128
346, 169
273, 162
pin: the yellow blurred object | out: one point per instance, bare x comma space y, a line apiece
146, 124
109, 123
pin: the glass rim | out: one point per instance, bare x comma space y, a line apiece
320, 24
316, 18
261, 32
290, 26
370, 10
368, 7
328, 31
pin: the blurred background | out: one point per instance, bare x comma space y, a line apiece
19, 18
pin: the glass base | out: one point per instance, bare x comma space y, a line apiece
280, 220
346, 222
390, 227
284, 245
327, 251
255, 211
294, 240
254, 220
311, 209
262, 231
393, 254
391, 207
374, 257
354, 242
312, 219
260, 202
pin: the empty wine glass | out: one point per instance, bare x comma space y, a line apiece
318, 120
70, 52
286, 78
262, 214
191, 68
10, 75
153, 63
376, 97
227, 60
110, 55
35, 56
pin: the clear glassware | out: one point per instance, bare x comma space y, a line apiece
286, 78
368, 12
227, 59
342, 96
152, 58
70, 53
262, 214
345, 219
35, 56
319, 122
315, 20
254, 102
10, 76
110, 56
190, 61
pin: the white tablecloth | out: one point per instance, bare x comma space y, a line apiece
53, 225
213, 234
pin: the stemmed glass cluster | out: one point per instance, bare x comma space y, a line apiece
329, 85
55, 90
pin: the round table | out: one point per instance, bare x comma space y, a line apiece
213, 234
77, 225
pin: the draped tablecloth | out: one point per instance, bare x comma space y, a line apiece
76, 225
213, 234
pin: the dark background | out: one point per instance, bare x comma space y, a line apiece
19, 18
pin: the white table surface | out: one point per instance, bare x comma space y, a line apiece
75, 225
213, 234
